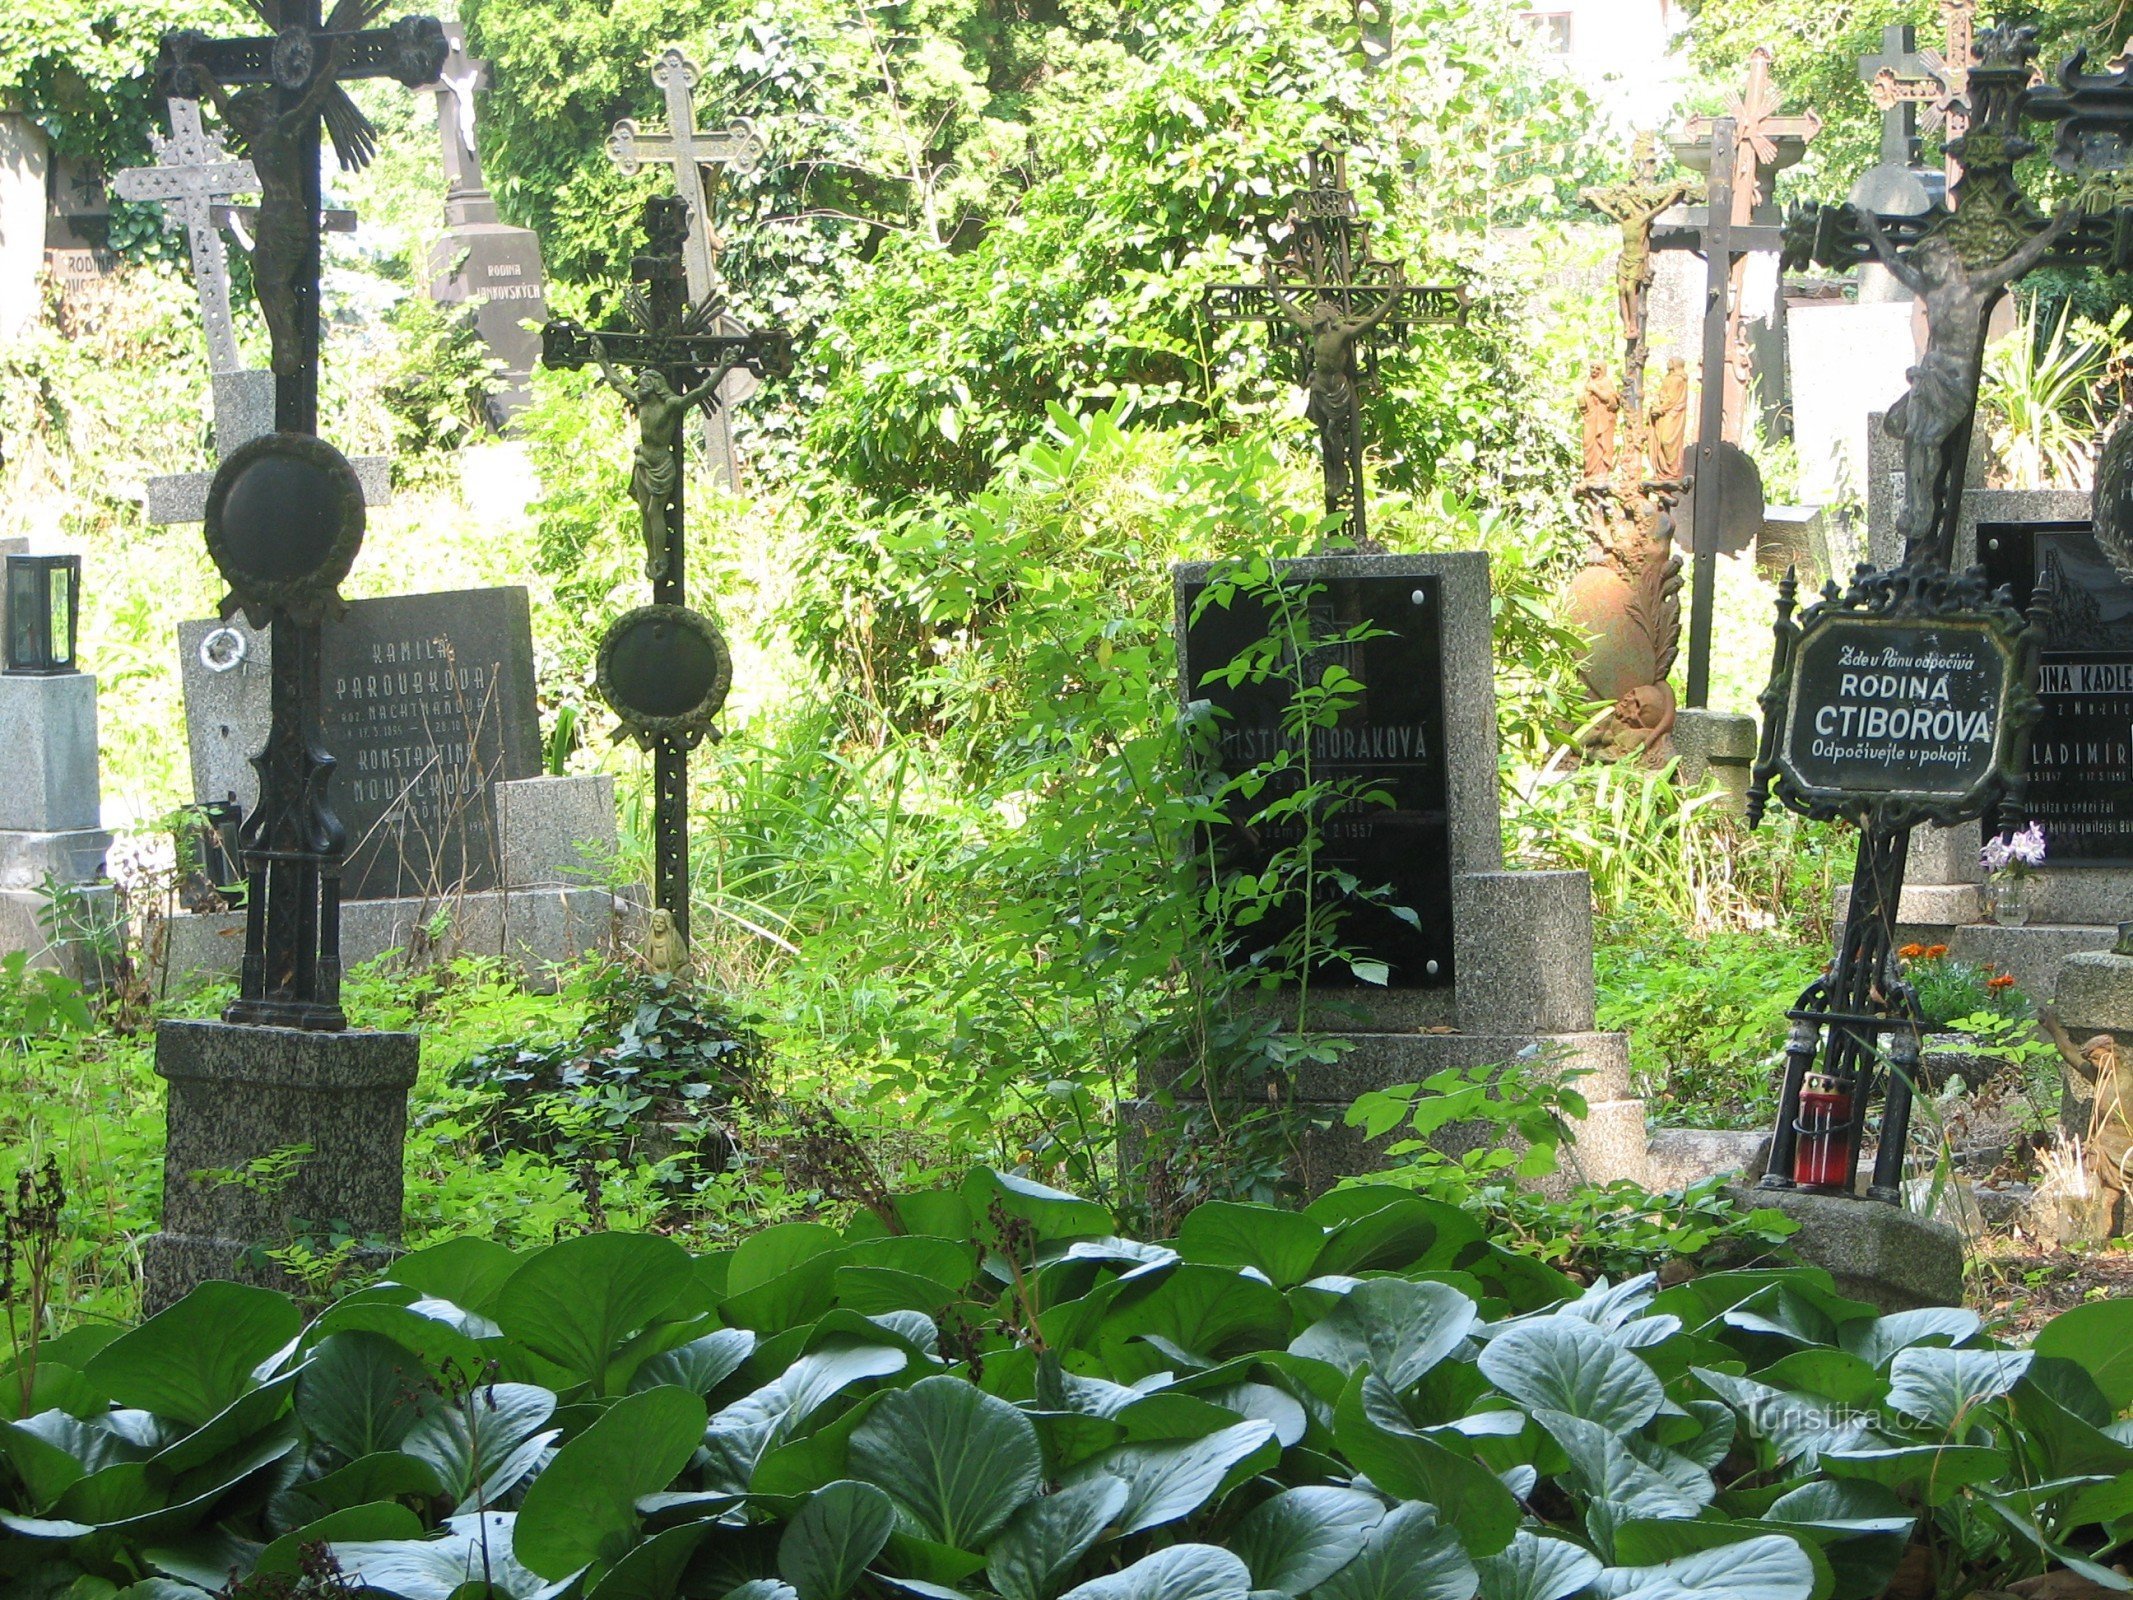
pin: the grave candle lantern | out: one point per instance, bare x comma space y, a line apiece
1823, 1158
43, 613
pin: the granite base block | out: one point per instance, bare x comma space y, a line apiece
2084, 895
534, 929
1523, 945
2032, 954
50, 782
555, 832
1716, 750
1927, 912
335, 1103
28, 860
2094, 993
1678, 1157
1893, 1259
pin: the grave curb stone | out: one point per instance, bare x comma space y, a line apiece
1678, 1157
1716, 749
2095, 992
241, 1093
1893, 1259
1524, 951
73, 855
542, 825
48, 728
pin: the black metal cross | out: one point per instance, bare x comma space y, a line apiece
285, 513
1711, 231
1332, 294
665, 357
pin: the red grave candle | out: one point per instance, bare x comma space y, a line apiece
1823, 1155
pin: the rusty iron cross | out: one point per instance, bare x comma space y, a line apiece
1941, 85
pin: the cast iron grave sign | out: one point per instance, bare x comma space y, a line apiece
2080, 774
1386, 751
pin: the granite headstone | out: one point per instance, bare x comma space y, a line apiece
429, 703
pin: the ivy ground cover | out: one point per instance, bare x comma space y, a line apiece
989, 1393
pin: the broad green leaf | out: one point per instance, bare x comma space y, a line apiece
380, 1519
190, 1360
1401, 1329
580, 1301
1796, 1426
1407, 1556
386, 1475
1942, 1387
1301, 1537
1566, 1364
757, 1423
468, 1271
485, 1444
1876, 1341
1212, 1312
1934, 1474
2099, 1336
46, 1467
2061, 1442
832, 1539
361, 1393
959, 1461
1534, 1567
1038, 1549
470, 1550
762, 1589
1268, 1404
1049, 1213
1833, 1375
1605, 1467
1167, 1480
583, 1506
1771, 1567
654, 1570
762, 1257
1182, 1572
699, 1366
1469, 1497
1281, 1244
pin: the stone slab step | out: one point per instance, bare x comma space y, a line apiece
2031, 954
1678, 1157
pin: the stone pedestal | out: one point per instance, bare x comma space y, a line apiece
1893, 1259
240, 1095
50, 811
1716, 751
556, 842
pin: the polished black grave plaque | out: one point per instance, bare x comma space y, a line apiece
1388, 748
2081, 756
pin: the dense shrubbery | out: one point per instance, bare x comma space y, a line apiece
987, 1392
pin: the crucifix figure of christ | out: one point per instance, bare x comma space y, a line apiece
1935, 82
284, 516
1333, 295
1764, 139
698, 158
1635, 206
666, 357
193, 172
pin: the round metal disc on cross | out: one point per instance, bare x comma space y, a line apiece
1740, 502
284, 522
665, 671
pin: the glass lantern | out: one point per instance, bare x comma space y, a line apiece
43, 613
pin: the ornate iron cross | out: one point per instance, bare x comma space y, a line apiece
665, 357
1898, 61
194, 171
1332, 294
284, 516
1932, 82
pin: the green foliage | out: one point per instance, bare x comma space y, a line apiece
1019, 1403
438, 394
1950, 989
2038, 396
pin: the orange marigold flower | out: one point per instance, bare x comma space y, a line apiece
1935, 951
2004, 981
1911, 952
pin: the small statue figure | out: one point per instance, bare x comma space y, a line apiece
1603, 408
1334, 381
666, 953
1668, 444
661, 414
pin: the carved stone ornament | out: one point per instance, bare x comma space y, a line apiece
665, 671
1908, 697
284, 522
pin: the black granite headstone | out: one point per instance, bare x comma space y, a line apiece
429, 703
1391, 836
2081, 756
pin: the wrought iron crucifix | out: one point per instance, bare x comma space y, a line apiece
664, 668
1332, 296
284, 515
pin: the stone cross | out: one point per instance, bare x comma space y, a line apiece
1899, 61
1936, 81
194, 170
1333, 295
691, 152
1758, 126
455, 89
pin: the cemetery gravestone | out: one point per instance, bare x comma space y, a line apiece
429, 704
1499, 970
24, 156
1848, 366
483, 261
